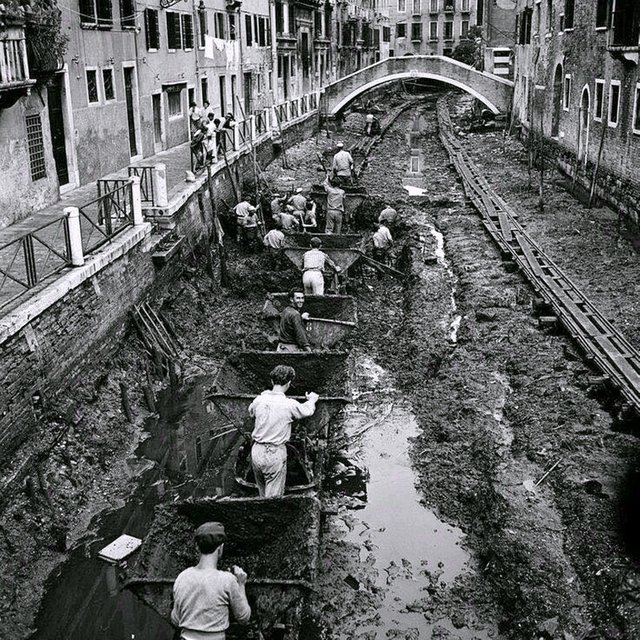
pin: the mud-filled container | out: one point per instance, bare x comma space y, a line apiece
329, 240
245, 375
353, 197
331, 318
344, 257
274, 541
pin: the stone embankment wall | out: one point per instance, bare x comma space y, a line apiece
58, 337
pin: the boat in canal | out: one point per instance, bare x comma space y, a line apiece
245, 375
274, 540
331, 318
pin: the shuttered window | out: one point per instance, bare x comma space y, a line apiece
187, 31
248, 30
105, 13
128, 14
174, 37
152, 28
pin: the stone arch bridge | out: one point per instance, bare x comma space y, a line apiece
493, 91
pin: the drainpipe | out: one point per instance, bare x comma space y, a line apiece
241, 69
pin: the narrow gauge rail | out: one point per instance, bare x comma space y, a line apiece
603, 344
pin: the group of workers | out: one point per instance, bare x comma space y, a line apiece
204, 596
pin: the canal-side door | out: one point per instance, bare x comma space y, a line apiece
131, 120
56, 122
156, 99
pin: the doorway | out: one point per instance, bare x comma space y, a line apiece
158, 132
56, 122
557, 102
583, 137
223, 95
248, 94
129, 81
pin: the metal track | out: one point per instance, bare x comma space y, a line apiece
603, 344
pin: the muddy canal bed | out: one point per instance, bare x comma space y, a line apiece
475, 489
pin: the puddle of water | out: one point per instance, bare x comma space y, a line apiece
403, 540
83, 598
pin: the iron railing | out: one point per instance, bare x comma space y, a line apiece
147, 191
107, 215
29, 259
14, 70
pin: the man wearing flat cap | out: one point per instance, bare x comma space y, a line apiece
203, 595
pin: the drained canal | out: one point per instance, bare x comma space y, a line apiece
428, 529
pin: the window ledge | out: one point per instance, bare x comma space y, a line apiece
596, 119
416, 41
636, 132
612, 125
569, 29
601, 28
176, 117
152, 51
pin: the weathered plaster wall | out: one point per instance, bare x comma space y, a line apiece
19, 194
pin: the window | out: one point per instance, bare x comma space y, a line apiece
204, 90
402, 6
464, 5
108, 87
636, 110
219, 30
416, 7
35, 144
448, 5
614, 103
448, 30
202, 26
566, 93
569, 6
174, 37
625, 23
549, 16
248, 30
464, 28
97, 13
222, 83
525, 26
128, 14
480, 12
92, 86
152, 28
187, 31
602, 14
174, 103
401, 30
433, 6
598, 107
433, 30
416, 31
386, 34
232, 27
447, 52
414, 166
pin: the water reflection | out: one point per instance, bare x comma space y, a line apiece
186, 454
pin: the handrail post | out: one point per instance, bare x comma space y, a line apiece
75, 236
160, 198
136, 201
274, 117
252, 127
236, 137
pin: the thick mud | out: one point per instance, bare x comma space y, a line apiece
476, 490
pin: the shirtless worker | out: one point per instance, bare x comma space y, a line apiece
273, 413
203, 595
313, 264
293, 337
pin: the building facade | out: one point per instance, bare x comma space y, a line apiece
435, 27
133, 67
577, 83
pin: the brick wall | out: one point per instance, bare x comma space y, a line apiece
59, 345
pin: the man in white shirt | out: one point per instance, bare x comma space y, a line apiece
382, 243
313, 263
342, 164
242, 210
203, 595
274, 413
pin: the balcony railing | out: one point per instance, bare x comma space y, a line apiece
14, 68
